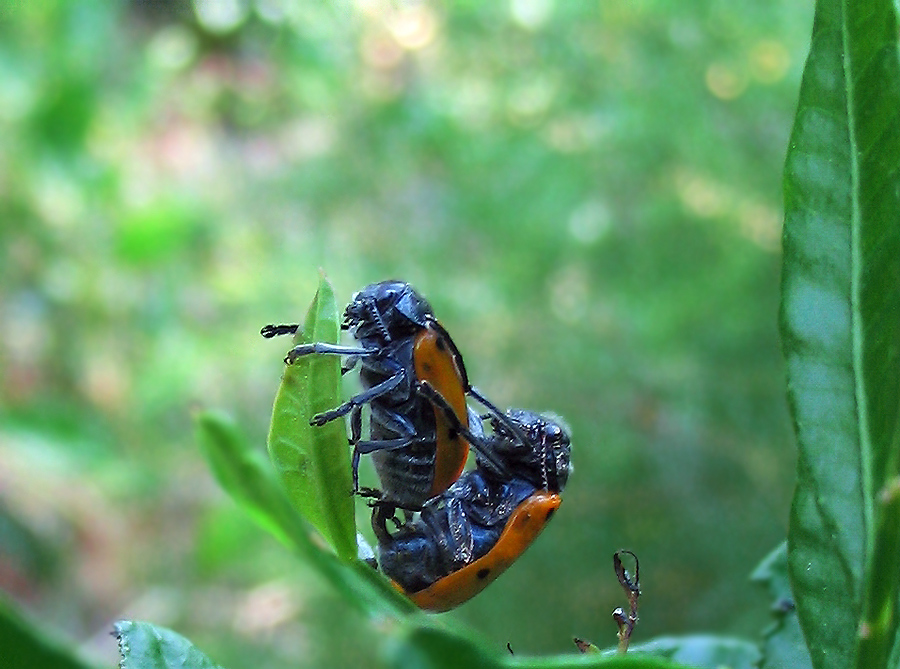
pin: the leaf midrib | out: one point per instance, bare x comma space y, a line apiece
856, 271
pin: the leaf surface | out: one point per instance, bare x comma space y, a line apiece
249, 479
25, 644
432, 647
840, 323
146, 646
783, 643
314, 462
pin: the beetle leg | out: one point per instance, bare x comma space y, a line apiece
455, 543
380, 515
318, 347
501, 416
271, 330
355, 435
478, 443
363, 398
392, 423
366, 447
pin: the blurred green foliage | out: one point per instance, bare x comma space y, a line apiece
588, 194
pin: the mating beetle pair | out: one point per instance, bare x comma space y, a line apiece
466, 537
420, 432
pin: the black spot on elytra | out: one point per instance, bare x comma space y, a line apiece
441, 345
483, 573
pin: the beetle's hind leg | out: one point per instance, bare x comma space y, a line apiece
381, 513
384, 510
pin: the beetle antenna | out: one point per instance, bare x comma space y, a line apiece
544, 472
372, 306
500, 416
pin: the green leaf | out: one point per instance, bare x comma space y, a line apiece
841, 334
783, 644
25, 645
430, 647
246, 475
627, 661
146, 646
314, 462
702, 650
23, 549
697, 652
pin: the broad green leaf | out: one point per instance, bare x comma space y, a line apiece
696, 652
701, 650
841, 334
248, 477
250, 480
146, 646
25, 645
430, 647
783, 644
613, 661
314, 462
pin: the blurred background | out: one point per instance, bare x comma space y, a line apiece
587, 192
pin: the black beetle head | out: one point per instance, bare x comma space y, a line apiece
544, 459
386, 311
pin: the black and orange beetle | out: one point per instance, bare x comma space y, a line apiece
417, 449
470, 534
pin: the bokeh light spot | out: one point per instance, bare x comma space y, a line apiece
220, 16
172, 48
413, 28
589, 221
529, 100
724, 81
769, 61
760, 224
530, 14
701, 196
